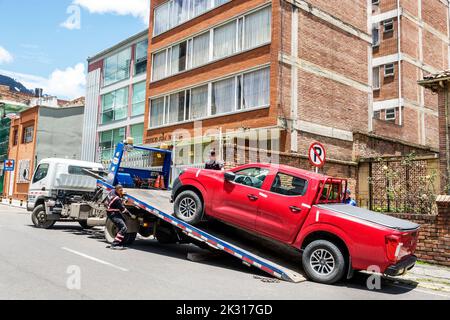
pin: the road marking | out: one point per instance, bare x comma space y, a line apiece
94, 259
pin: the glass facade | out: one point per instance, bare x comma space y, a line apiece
117, 67
115, 106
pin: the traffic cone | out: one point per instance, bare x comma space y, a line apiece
163, 185
158, 183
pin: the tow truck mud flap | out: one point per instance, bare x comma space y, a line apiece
214, 242
53, 217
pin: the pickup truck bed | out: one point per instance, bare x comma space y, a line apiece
367, 215
282, 258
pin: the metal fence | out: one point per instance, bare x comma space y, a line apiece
399, 205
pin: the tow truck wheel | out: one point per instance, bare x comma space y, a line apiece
188, 207
111, 232
39, 218
323, 262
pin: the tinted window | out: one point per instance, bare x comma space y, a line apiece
252, 177
289, 185
41, 172
78, 170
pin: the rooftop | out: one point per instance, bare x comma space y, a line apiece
436, 81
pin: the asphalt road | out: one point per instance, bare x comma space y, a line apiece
45, 264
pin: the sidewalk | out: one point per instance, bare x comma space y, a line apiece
14, 203
428, 276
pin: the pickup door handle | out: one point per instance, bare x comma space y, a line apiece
295, 209
252, 197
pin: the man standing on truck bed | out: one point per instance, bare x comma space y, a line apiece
115, 209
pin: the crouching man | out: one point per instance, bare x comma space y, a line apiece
115, 210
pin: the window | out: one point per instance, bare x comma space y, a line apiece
177, 107
138, 103
28, 134
161, 18
388, 26
224, 40
41, 172
15, 137
159, 65
252, 177
199, 102
175, 12
288, 185
375, 35
389, 70
108, 141
223, 96
117, 67
240, 92
257, 28
376, 115
243, 33
137, 132
140, 64
78, 170
200, 51
376, 78
178, 59
390, 114
375, 1
115, 105
157, 112
256, 89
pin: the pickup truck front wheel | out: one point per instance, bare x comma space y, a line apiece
188, 207
323, 262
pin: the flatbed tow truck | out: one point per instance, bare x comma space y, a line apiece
155, 217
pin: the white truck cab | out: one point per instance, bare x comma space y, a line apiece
58, 181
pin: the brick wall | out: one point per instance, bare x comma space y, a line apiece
434, 236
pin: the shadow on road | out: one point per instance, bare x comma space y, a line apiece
283, 255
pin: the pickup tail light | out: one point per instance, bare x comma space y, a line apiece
393, 247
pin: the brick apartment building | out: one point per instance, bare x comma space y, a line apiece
410, 40
115, 97
300, 67
33, 137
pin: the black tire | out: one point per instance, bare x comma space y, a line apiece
39, 218
84, 224
188, 207
165, 235
111, 232
146, 232
323, 262
129, 239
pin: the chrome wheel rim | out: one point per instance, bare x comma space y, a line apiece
188, 207
322, 262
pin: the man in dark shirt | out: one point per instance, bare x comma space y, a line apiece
115, 209
212, 163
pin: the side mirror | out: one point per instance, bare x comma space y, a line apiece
230, 176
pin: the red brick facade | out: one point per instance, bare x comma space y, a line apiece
423, 45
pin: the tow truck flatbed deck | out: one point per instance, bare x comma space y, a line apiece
242, 246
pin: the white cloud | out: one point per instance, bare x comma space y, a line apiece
65, 84
5, 56
136, 8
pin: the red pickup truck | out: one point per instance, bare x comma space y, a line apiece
304, 210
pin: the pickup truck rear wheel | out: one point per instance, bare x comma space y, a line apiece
323, 262
188, 207
39, 218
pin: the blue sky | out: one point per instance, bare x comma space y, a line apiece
42, 42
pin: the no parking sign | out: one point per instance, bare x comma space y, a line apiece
317, 155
